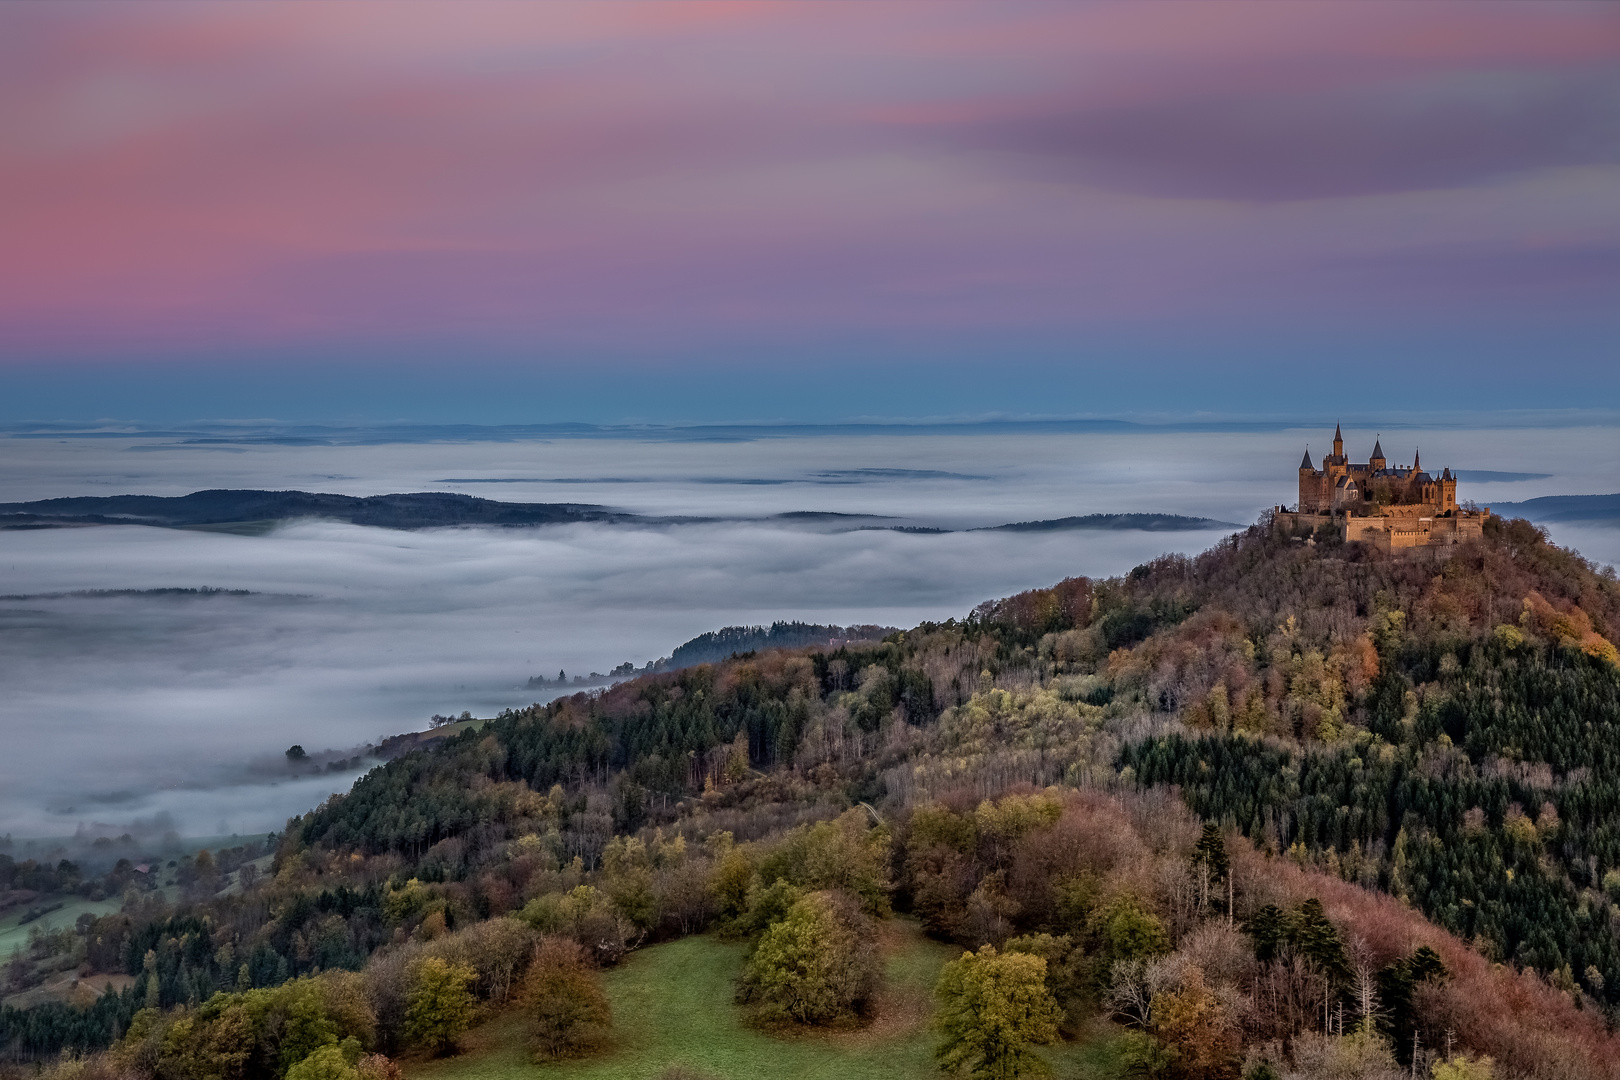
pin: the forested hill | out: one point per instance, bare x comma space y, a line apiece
1566, 508
1143, 522
417, 510
720, 644
1439, 726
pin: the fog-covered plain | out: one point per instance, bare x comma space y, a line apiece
120, 708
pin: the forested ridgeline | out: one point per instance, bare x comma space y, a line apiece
1424, 734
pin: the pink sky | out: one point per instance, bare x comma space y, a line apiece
641, 181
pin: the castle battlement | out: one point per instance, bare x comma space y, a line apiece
1373, 502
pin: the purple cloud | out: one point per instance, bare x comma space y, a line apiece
1452, 130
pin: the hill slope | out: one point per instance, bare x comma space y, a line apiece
1404, 766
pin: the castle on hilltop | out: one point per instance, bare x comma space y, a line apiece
1388, 506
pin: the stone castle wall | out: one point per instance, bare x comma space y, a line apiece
1396, 530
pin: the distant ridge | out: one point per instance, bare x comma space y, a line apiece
719, 644
251, 512
241, 509
1141, 522
101, 594
1570, 508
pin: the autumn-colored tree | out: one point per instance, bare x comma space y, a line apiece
333, 1061
566, 1007
207, 871
848, 854
627, 878
1127, 931
377, 1067
585, 914
767, 904
1571, 628
1191, 1023
814, 966
994, 1008
255, 1034
441, 1005
1065, 962
733, 872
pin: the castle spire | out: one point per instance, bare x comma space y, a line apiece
1306, 464
1338, 442
1378, 447
1415, 466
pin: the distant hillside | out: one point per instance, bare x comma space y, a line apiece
720, 644
1570, 508
226, 510
223, 508
1142, 522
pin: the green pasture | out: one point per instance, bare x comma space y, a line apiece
14, 932
672, 1005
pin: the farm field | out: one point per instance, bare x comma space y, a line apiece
672, 1005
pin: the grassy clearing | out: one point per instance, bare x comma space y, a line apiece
672, 1005
14, 933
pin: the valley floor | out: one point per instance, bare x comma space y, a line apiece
672, 1006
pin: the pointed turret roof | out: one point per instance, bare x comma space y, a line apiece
1306, 464
1378, 448
1336, 436
1415, 466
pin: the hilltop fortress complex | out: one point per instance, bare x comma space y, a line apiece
1379, 504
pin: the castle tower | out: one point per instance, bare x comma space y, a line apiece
1376, 463
1338, 444
1309, 487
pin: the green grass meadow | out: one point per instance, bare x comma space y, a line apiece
672, 1005
14, 932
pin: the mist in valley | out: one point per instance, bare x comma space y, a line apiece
126, 708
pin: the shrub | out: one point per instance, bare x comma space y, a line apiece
1465, 1068
567, 1010
813, 967
1361, 1055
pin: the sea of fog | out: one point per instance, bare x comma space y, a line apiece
165, 711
